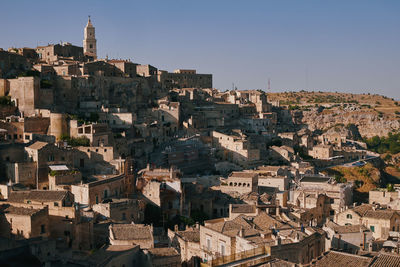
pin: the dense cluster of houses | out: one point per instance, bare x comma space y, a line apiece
107, 162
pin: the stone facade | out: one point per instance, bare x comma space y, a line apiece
103, 188
89, 41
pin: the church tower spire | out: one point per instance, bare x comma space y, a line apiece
89, 41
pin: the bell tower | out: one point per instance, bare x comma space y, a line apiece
89, 41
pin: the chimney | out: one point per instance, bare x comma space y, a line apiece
241, 232
297, 238
176, 229
278, 241
197, 225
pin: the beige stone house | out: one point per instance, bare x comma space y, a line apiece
122, 210
341, 194
241, 182
159, 257
349, 238
100, 188
380, 221
187, 243
22, 222
382, 196
131, 234
352, 215
235, 148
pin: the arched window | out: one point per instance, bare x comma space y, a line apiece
240, 184
230, 184
235, 184
349, 216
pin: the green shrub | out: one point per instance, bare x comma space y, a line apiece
6, 101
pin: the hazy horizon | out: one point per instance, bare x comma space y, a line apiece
344, 46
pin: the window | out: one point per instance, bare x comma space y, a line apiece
222, 249
349, 216
42, 229
55, 204
97, 199
208, 243
372, 228
27, 137
123, 216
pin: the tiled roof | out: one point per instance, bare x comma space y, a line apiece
163, 252
131, 232
191, 235
380, 214
342, 229
230, 228
18, 210
243, 208
38, 145
362, 209
266, 222
37, 195
386, 260
334, 259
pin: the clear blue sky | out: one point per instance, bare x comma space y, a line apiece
337, 45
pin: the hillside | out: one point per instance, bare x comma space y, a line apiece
373, 114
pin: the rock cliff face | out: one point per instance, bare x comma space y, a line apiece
369, 123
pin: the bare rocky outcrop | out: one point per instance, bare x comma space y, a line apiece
369, 123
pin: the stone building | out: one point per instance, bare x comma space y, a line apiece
311, 209
187, 243
162, 188
21, 222
101, 68
282, 153
236, 148
25, 92
146, 70
349, 238
63, 217
131, 234
274, 176
89, 41
341, 194
159, 257
184, 79
123, 210
380, 221
223, 237
97, 133
321, 152
103, 187
382, 196
125, 66
241, 182
54, 52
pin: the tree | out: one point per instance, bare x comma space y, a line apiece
390, 188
